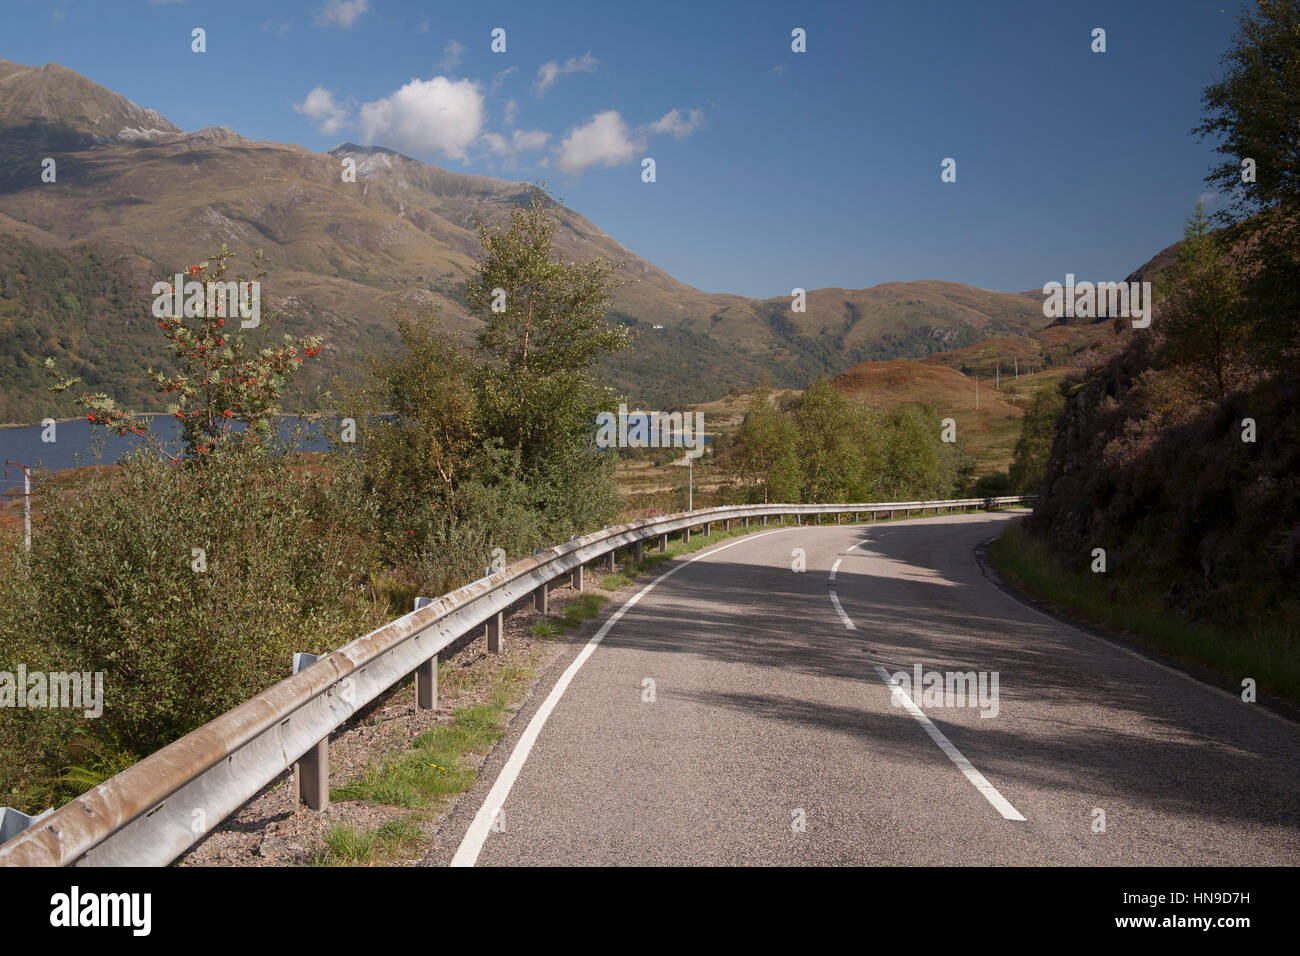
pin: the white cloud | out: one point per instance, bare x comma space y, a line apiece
424, 116
780, 69
278, 28
677, 125
1209, 200
512, 110
529, 140
604, 140
500, 78
520, 141
551, 71
451, 55
319, 107
342, 12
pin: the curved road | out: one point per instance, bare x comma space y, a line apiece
773, 736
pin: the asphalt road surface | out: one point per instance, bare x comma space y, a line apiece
770, 734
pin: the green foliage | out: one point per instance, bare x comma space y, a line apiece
834, 444
765, 461
114, 583
1037, 431
468, 457
119, 591
827, 449
1202, 316
79, 306
996, 484
1253, 111
223, 380
536, 392
1269, 651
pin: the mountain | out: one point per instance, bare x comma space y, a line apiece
136, 198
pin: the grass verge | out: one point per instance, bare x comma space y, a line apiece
437, 766
1268, 654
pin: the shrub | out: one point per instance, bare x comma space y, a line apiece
183, 634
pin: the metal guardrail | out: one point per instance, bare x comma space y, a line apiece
152, 812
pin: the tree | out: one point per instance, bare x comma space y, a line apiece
224, 378
1202, 317
833, 439
544, 328
764, 460
1254, 111
417, 430
915, 463
1037, 433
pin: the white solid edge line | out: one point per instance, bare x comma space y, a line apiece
990, 792
472, 845
835, 567
835, 599
1117, 644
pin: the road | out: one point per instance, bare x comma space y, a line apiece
773, 736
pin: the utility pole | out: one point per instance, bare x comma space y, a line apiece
997, 382
1017, 368
690, 483
27, 504
977, 390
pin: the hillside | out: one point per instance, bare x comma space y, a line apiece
988, 433
137, 198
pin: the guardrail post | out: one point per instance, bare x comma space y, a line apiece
311, 777
576, 578
495, 628
311, 774
609, 561
686, 536
726, 524
745, 523
426, 684
636, 551
539, 598
763, 521
426, 675
838, 516
707, 526
663, 542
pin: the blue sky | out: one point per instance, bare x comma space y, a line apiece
774, 169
